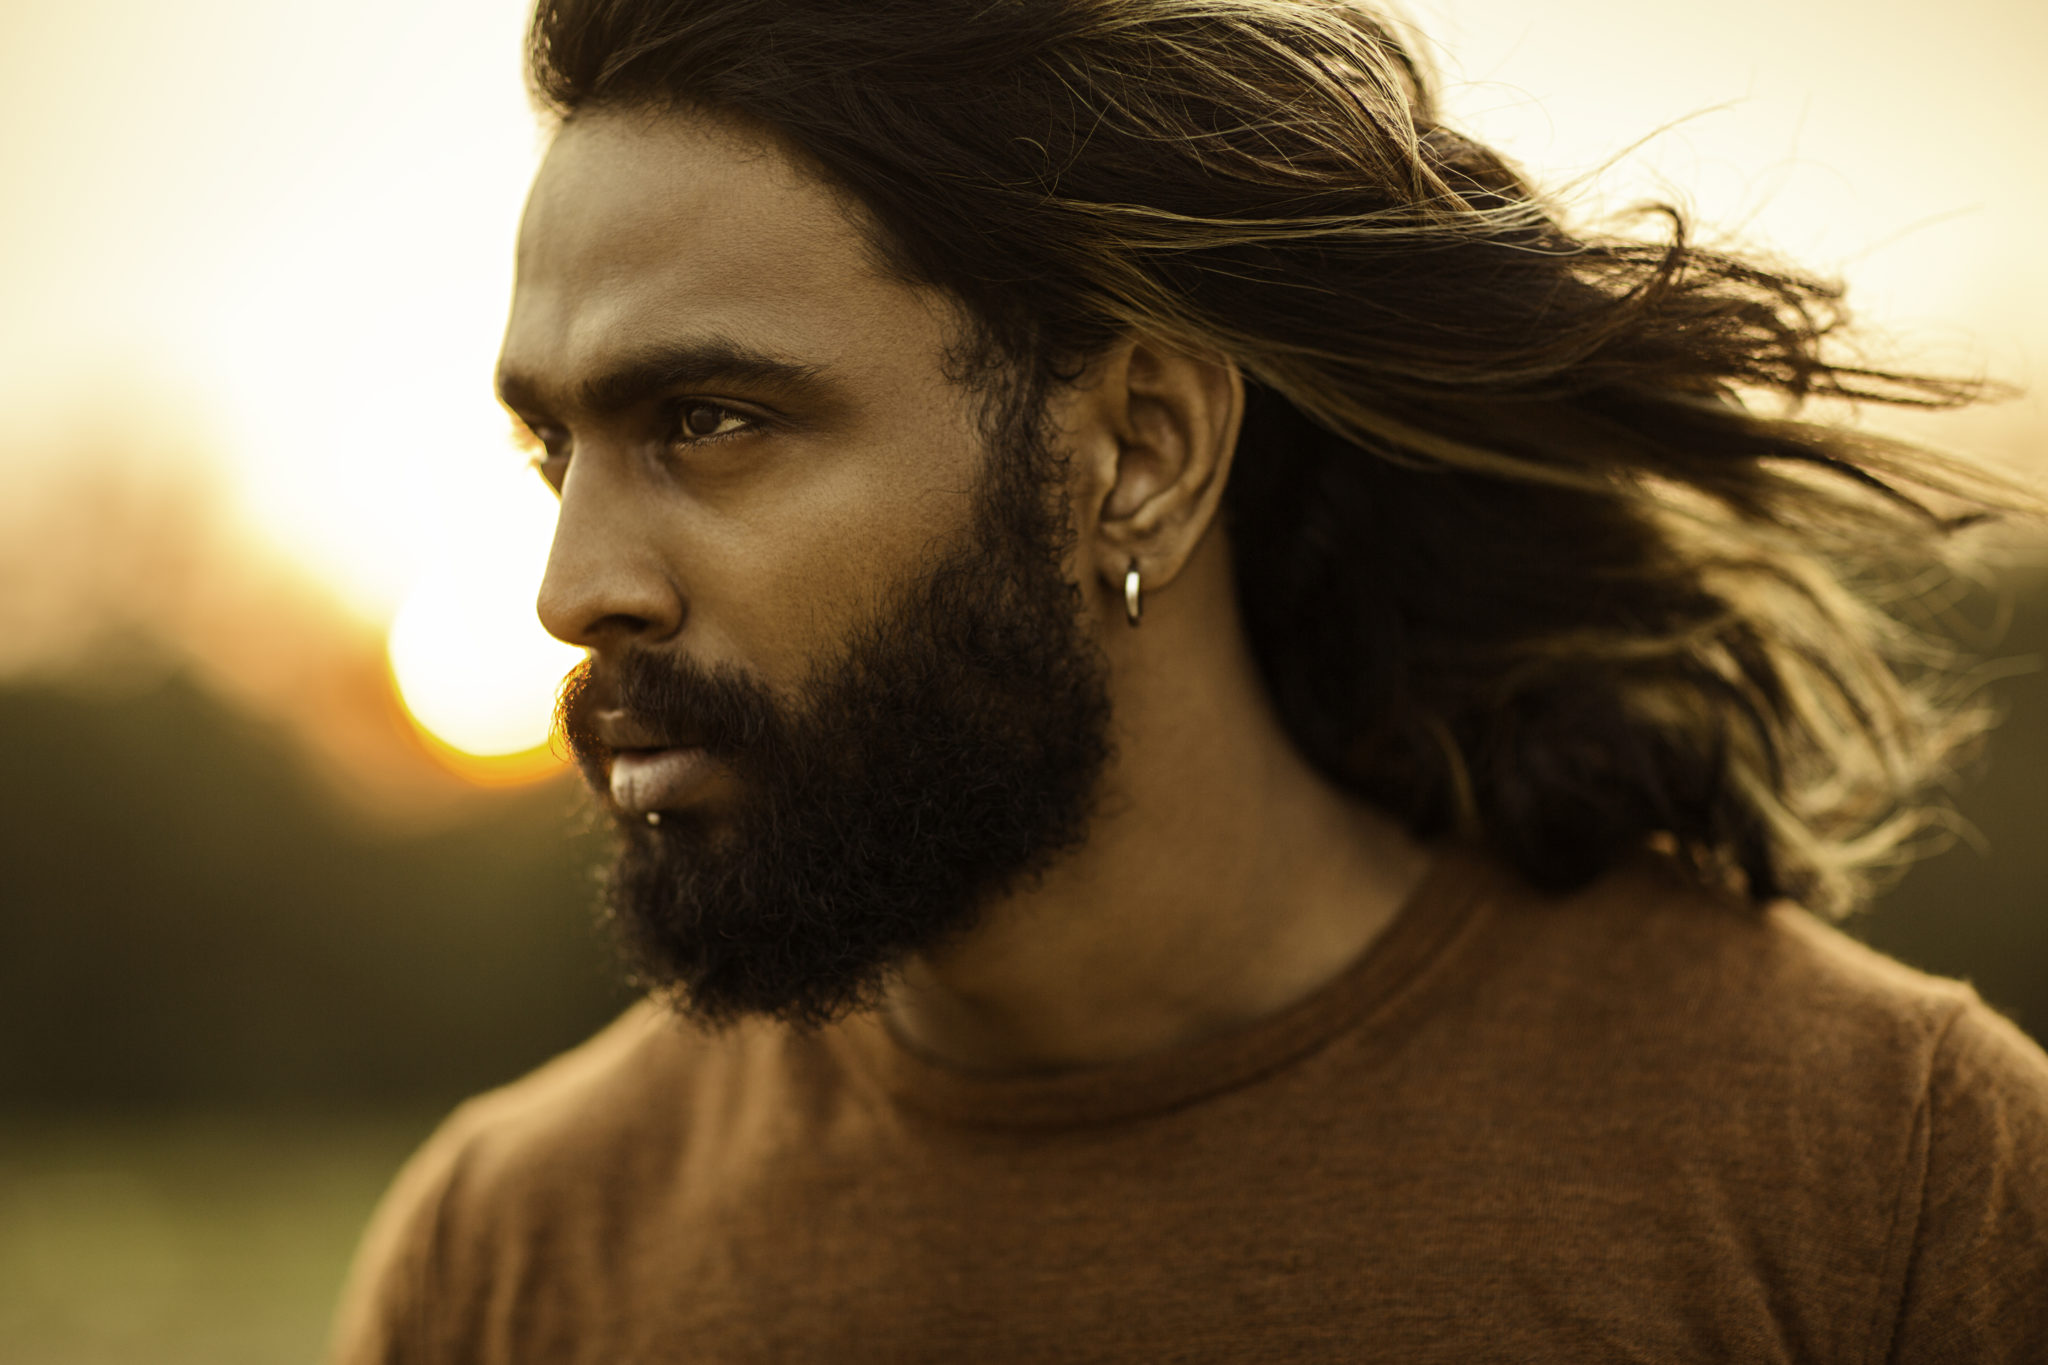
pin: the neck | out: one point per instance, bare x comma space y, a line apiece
1224, 881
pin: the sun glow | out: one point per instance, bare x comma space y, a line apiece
476, 672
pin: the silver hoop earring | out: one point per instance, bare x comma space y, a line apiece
1134, 594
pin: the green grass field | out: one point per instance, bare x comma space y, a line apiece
211, 1239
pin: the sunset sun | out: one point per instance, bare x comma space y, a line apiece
476, 672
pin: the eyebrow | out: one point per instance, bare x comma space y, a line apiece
653, 370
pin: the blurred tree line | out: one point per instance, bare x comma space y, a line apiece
192, 918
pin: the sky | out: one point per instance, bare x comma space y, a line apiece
263, 250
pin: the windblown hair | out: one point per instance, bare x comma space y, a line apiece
1531, 542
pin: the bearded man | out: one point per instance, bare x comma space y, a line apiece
1228, 742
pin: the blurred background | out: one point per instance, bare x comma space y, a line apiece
285, 866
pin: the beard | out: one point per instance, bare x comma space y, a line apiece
948, 755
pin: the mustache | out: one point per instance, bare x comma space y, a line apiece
671, 700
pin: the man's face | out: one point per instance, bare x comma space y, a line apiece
834, 648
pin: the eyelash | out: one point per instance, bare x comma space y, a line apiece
538, 443
675, 412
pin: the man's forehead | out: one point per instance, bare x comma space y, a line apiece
643, 171
652, 223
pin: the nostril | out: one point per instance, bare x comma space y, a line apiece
625, 626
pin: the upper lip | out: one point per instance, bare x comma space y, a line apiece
619, 731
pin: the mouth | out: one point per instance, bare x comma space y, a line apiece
644, 781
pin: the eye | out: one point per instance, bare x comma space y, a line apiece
697, 420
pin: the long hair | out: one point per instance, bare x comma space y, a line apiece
1531, 540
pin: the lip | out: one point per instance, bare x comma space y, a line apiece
655, 779
618, 731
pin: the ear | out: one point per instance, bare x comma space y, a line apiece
1155, 429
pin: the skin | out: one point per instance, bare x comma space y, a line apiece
1223, 880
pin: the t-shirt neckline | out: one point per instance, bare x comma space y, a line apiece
1433, 918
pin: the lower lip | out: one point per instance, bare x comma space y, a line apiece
647, 780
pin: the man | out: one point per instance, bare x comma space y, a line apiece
1211, 720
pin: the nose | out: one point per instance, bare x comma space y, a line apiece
607, 581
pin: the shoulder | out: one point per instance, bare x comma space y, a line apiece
634, 1086
1760, 1045
1647, 954
1974, 1210
1808, 1087
557, 1160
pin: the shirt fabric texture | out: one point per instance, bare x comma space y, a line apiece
1635, 1123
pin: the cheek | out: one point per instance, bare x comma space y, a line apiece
827, 546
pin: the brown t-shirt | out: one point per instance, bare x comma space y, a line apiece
1632, 1124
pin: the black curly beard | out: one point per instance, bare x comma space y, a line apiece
950, 754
